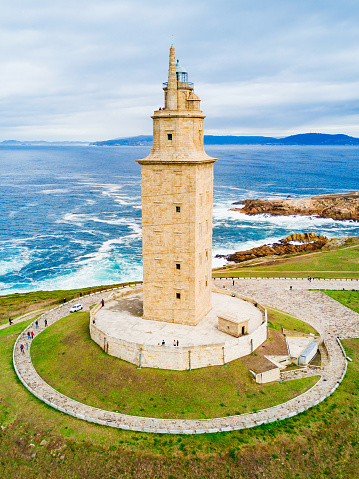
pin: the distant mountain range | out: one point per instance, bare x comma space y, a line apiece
301, 139
146, 140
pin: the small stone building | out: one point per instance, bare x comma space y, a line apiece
263, 370
230, 323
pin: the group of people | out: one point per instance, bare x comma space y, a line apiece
30, 336
175, 342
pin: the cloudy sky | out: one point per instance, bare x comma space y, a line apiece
93, 70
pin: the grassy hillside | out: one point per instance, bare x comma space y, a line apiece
339, 263
306, 446
320, 443
14, 305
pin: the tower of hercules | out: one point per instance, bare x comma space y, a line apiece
177, 197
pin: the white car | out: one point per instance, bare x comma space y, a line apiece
76, 307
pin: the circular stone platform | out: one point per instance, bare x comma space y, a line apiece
120, 330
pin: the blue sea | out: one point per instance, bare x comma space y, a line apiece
71, 216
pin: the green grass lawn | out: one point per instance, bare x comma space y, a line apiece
278, 319
340, 263
305, 446
348, 298
110, 383
320, 443
14, 305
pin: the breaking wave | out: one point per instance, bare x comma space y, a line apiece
75, 220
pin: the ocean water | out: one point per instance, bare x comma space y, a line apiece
71, 216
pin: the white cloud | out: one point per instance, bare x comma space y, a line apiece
89, 70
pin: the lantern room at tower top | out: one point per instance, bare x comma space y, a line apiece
178, 127
181, 75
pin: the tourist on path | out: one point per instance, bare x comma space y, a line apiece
102, 302
36, 324
27, 346
10, 322
177, 342
32, 334
28, 335
22, 348
45, 323
174, 342
163, 342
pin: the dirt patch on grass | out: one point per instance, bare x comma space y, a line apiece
275, 345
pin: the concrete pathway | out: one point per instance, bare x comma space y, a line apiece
23, 317
330, 318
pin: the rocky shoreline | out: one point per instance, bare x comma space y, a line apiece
342, 206
295, 243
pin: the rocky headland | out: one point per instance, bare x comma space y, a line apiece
342, 206
293, 244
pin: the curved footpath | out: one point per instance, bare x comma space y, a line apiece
327, 316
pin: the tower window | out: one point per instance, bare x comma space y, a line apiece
178, 266
178, 295
169, 136
178, 209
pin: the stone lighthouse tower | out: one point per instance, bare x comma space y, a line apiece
177, 197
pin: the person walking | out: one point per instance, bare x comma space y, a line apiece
32, 334
177, 342
28, 335
27, 346
102, 302
10, 322
45, 323
174, 342
22, 348
36, 324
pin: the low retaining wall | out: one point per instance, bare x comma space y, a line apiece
179, 358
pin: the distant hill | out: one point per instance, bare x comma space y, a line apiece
141, 140
301, 139
42, 143
318, 139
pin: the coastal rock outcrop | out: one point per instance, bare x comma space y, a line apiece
307, 242
342, 206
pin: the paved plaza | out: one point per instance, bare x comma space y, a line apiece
122, 318
327, 316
